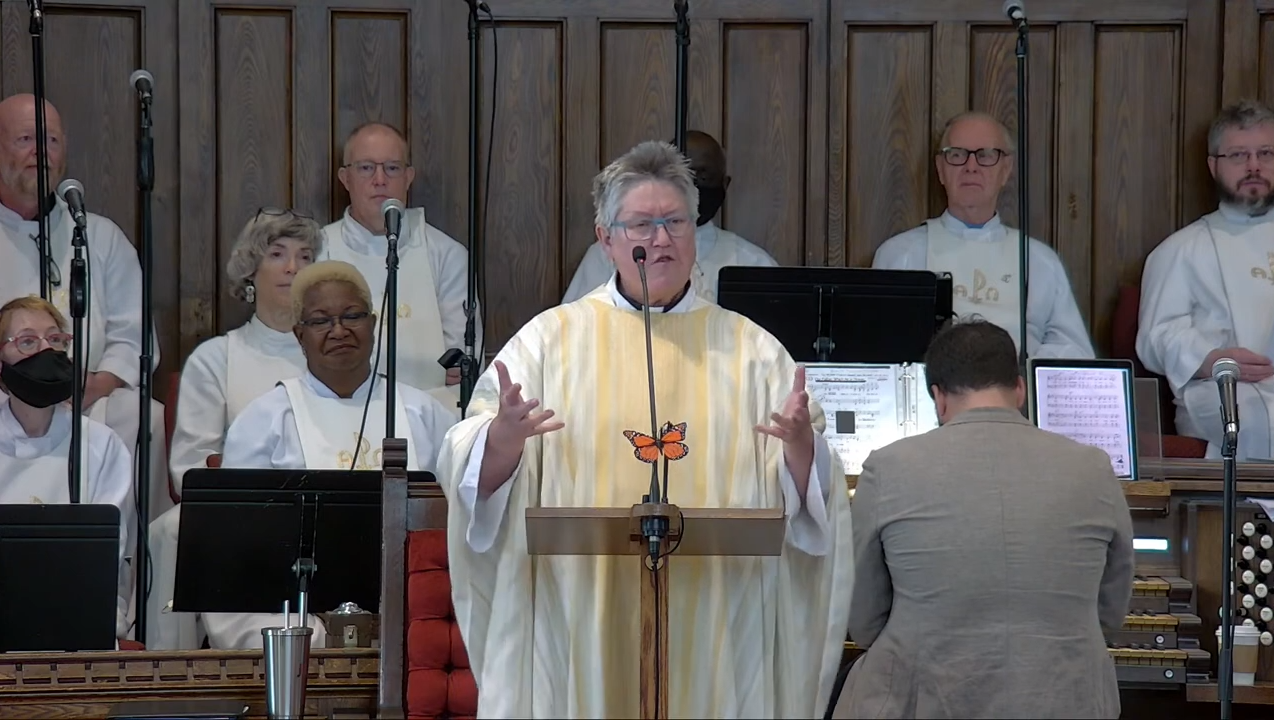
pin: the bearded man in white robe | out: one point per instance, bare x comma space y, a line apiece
1207, 291
974, 161
433, 268
558, 637
113, 324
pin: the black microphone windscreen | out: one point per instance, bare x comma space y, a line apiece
639, 254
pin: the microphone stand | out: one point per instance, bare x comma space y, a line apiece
145, 185
1225, 666
469, 360
79, 309
681, 8
1023, 197
391, 329
41, 144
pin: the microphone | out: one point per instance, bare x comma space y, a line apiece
654, 529
1226, 374
144, 82
1016, 11
392, 210
72, 192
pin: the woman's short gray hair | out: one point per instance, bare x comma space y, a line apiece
262, 230
647, 161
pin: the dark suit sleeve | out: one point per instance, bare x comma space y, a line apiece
873, 589
1116, 582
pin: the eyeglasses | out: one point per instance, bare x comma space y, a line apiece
349, 320
276, 211
957, 156
367, 169
645, 229
1240, 157
30, 343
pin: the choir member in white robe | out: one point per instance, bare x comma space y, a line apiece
1207, 291
715, 247
222, 375
558, 637
313, 422
113, 325
981, 253
35, 432
433, 268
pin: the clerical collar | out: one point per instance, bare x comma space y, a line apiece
1238, 215
317, 387
11, 218
15, 443
961, 228
365, 241
637, 305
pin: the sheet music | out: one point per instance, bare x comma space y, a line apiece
870, 394
1089, 406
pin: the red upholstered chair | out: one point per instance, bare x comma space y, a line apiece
126, 645
424, 667
1124, 346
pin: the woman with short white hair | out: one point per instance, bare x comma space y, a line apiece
225, 373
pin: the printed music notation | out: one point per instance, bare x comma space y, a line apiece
865, 396
1089, 406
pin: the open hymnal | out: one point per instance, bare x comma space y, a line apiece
868, 406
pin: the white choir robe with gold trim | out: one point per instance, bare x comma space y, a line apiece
1211, 286
433, 273
984, 265
558, 637
36, 470
714, 248
113, 324
300, 425
221, 377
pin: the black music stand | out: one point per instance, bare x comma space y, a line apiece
249, 540
836, 314
59, 577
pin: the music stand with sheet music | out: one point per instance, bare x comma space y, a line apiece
835, 314
249, 540
59, 577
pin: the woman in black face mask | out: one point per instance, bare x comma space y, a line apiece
35, 429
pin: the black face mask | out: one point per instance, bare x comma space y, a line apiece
44, 379
710, 200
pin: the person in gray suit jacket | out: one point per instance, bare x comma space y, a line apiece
989, 555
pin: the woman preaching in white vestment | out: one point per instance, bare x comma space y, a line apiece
35, 431
225, 373
316, 421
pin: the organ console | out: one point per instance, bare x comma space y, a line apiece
1165, 652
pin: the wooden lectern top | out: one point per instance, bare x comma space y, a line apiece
692, 531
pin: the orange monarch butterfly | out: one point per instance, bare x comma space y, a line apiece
671, 442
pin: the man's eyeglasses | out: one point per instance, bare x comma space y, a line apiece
1240, 157
30, 343
276, 211
957, 156
367, 169
349, 320
645, 229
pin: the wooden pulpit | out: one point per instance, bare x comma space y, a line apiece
691, 532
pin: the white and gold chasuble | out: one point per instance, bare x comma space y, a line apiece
558, 637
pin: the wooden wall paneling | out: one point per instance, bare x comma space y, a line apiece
90, 50
1073, 161
1265, 51
1136, 147
1242, 30
581, 82
1200, 100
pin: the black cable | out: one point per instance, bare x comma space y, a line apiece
367, 403
486, 182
